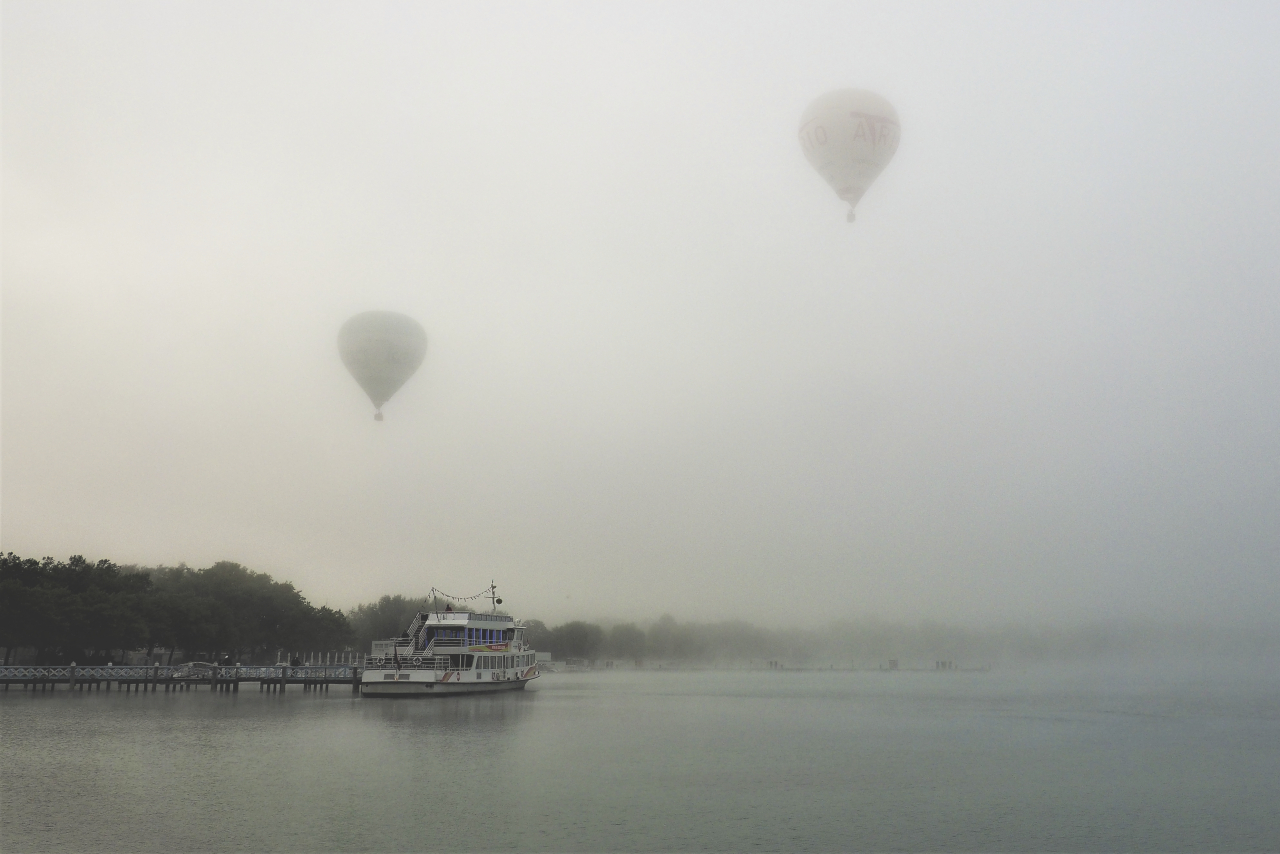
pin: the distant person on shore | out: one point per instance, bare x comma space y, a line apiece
295, 662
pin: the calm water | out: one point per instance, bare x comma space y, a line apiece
711, 761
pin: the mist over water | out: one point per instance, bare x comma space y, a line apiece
1089, 759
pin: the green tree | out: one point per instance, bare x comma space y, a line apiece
626, 640
389, 617
576, 639
537, 635
671, 640
100, 608
33, 609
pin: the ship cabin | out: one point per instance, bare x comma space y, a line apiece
455, 640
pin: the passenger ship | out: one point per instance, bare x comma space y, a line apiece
450, 652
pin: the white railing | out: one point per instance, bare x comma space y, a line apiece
140, 673
407, 662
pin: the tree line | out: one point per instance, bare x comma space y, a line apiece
93, 612
665, 640
77, 610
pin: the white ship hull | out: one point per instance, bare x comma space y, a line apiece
418, 683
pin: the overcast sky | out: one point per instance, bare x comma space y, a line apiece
1039, 377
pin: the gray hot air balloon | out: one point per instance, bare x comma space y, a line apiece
849, 136
382, 350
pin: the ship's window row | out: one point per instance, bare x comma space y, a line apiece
495, 662
486, 635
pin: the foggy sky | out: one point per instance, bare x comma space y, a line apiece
1038, 378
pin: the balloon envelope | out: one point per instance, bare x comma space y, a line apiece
382, 350
849, 136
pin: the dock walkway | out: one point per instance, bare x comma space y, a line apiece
183, 677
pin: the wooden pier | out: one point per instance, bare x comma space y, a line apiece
184, 677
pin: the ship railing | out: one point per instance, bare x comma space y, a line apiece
408, 662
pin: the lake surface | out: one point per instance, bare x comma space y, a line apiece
1119, 759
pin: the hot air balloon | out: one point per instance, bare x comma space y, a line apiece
382, 350
849, 136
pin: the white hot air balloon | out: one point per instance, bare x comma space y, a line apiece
849, 136
382, 350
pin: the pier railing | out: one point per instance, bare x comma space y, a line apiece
139, 672
180, 676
